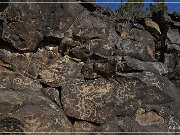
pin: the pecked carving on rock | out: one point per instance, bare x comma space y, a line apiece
91, 100
15, 81
77, 67
133, 93
62, 72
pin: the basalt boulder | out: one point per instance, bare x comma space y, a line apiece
77, 67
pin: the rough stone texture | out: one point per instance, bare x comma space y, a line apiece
91, 100
132, 93
148, 118
169, 60
83, 126
110, 126
128, 64
15, 81
61, 72
135, 49
52, 94
36, 112
160, 82
78, 67
174, 36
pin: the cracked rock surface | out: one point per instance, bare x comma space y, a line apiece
77, 67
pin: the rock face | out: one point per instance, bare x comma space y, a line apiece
77, 67
91, 100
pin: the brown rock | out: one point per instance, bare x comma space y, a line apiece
90, 101
148, 118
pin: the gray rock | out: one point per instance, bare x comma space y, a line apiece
173, 46
156, 80
138, 50
174, 36
156, 67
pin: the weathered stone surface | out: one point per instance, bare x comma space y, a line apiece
143, 36
77, 67
174, 36
53, 94
33, 110
80, 53
158, 81
11, 125
95, 33
29, 64
10, 100
26, 30
99, 66
91, 100
132, 93
88, 71
144, 42
109, 127
15, 81
173, 46
148, 118
61, 72
129, 124
26, 37
83, 126
170, 61
135, 49
135, 64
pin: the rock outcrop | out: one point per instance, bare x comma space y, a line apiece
77, 67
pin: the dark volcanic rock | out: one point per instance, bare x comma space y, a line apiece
136, 43
110, 126
160, 82
61, 72
36, 112
53, 94
26, 37
11, 125
15, 81
91, 100
133, 92
83, 126
135, 64
78, 67
135, 49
